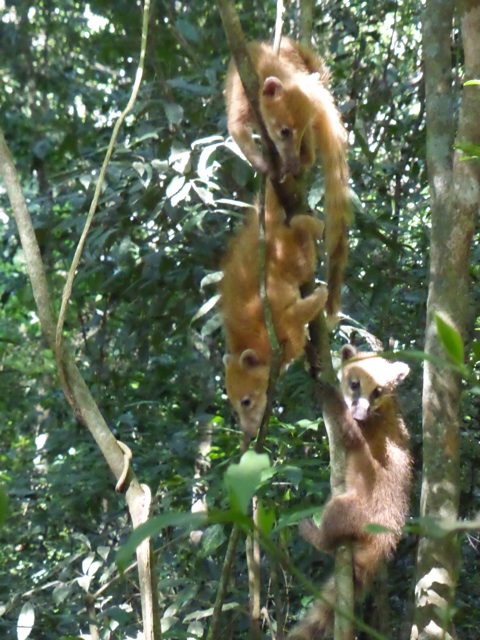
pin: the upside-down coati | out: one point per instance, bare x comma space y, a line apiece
290, 261
301, 118
378, 469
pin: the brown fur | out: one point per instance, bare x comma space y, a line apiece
301, 118
290, 262
377, 479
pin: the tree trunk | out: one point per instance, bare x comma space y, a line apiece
454, 191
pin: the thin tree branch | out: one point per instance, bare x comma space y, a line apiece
254, 575
330, 398
278, 27
214, 630
67, 292
305, 21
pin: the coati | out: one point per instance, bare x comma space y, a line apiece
378, 469
301, 118
290, 261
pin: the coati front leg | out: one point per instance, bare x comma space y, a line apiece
347, 427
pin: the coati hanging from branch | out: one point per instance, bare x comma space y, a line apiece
378, 470
290, 262
301, 118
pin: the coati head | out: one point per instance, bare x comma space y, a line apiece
367, 381
246, 379
286, 112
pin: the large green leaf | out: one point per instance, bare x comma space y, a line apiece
244, 479
451, 340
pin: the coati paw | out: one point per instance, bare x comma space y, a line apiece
321, 295
311, 533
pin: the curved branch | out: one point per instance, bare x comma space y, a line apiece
77, 392
79, 396
67, 292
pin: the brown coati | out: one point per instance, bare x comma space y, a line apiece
290, 261
378, 469
302, 120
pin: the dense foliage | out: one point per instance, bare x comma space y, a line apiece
146, 336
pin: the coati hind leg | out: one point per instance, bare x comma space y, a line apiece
307, 227
342, 520
305, 309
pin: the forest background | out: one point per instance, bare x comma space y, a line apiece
141, 320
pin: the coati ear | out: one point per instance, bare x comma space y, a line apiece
272, 87
400, 371
249, 359
347, 352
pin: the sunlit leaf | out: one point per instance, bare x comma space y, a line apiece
86, 562
175, 186
211, 278
451, 340
25, 621
206, 613
244, 479
206, 307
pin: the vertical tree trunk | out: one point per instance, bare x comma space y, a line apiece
454, 190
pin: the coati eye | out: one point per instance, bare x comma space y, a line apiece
285, 132
376, 393
245, 402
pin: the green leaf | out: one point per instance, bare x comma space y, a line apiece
153, 527
289, 518
212, 538
174, 112
451, 340
376, 528
265, 518
471, 82
472, 150
3, 504
243, 479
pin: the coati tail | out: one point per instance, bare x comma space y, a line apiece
318, 621
331, 140
337, 260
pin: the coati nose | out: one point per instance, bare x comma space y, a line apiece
293, 167
360, 409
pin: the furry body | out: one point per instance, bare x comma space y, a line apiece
290, 261
377, 479
301, 118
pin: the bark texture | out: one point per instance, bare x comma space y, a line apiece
455, 195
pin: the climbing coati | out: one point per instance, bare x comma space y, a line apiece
301, 118
290, 261
378, 469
